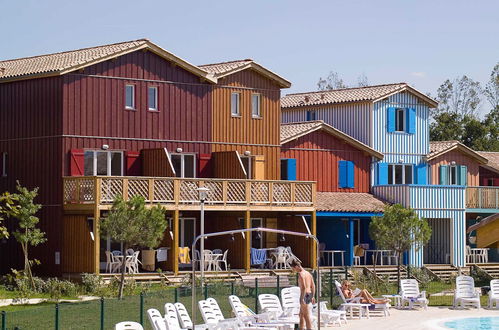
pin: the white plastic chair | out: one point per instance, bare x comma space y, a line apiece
494, 294
116, 253
157, 321
482, 256
335, 316
111, 263
466, 294
391, 258
129, 252
128, 325
171, 317
270, 304
358, 253
132, 262
281, 258
470, 258
410, 294
183, 316
223, 261
212, 315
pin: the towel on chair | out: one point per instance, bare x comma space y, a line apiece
183, 255
258, 256
161, 254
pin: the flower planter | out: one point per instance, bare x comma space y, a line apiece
148, 259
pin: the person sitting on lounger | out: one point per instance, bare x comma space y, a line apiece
366, 297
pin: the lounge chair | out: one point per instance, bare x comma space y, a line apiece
269, 303
156, 319
183, 316
342, 315
494, 294
171, 317
352, 304
466, 294
410, 294
128, 325
249, 318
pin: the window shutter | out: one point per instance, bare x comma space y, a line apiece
462, 175
351, 175
204, 168
342, 173
309, 115
444, 174
133, 165
382, 173
76, 162
390, 116
411, 120
288, 169
421, 173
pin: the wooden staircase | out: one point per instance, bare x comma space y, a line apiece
444, 272
383, 272
491, 269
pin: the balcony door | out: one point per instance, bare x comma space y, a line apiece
184, 165
103, 162
437, 250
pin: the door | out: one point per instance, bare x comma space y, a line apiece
187, 232
437, 250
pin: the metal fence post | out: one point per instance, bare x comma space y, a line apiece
256, 295
331, 287
278, 285
141, 313
232, 292
56, 316
205, 291
4, 320
102, 313
176, 295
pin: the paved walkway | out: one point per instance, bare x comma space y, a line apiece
414, 319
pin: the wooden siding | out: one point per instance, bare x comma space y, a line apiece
260, 136
155, 162
485, 175
317, 155
460, 159
226, 164
353, 119
77, 247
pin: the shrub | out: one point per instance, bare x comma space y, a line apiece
481, 278
57, 288
421, 275
91, 283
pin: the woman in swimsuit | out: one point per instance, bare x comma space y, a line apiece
366, 297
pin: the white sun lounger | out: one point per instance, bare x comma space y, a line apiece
248, 317
352, 304
466, 294
156, 319
183, 316
494, 294
410, 294
128, 325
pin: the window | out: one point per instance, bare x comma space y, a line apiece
400, 120
152, 98
184, 165
311, 115
453, 175
108, 163
4, 164
490, 182
255, 105
130, 97
400, 174
246, 160
234, 104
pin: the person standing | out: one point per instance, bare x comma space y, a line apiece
307, 293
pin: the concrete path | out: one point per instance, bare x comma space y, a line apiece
414, 319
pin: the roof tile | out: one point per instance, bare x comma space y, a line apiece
221, 68
348, 202
492, 157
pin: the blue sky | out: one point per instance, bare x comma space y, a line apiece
419, 42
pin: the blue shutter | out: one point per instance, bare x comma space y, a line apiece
350, 175
390, 117
421, 176
411, 120
462, 175
288, 169
342, 174
382, 173
444, 174
309, 115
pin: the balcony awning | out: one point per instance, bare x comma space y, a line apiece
485, 221
348, 202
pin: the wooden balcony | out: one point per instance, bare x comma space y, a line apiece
89, 193
482, 198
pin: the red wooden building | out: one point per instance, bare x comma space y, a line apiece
340, 165
88, 124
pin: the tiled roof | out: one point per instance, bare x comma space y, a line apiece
493, 159
63, 62
348, 202
438, 148
357, 94
224, 67
291, 131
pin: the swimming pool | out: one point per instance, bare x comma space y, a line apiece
474, 323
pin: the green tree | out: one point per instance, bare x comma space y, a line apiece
491, 90
28, 234
7, 207
446, 126
460, 96
332, 81
133, 224
491, 122
399, 229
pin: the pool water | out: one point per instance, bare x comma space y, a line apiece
474, 323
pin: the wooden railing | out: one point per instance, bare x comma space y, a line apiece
176, 191
482, 198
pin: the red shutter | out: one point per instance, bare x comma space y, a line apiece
133, 166
204, 166
76, 162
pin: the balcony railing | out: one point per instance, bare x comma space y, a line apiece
177, 191
482, 198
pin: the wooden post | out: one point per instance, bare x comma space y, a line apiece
247, 241
175, 241
313, 229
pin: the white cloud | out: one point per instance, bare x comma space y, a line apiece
419, 74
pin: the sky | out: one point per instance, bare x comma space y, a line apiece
419, 42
